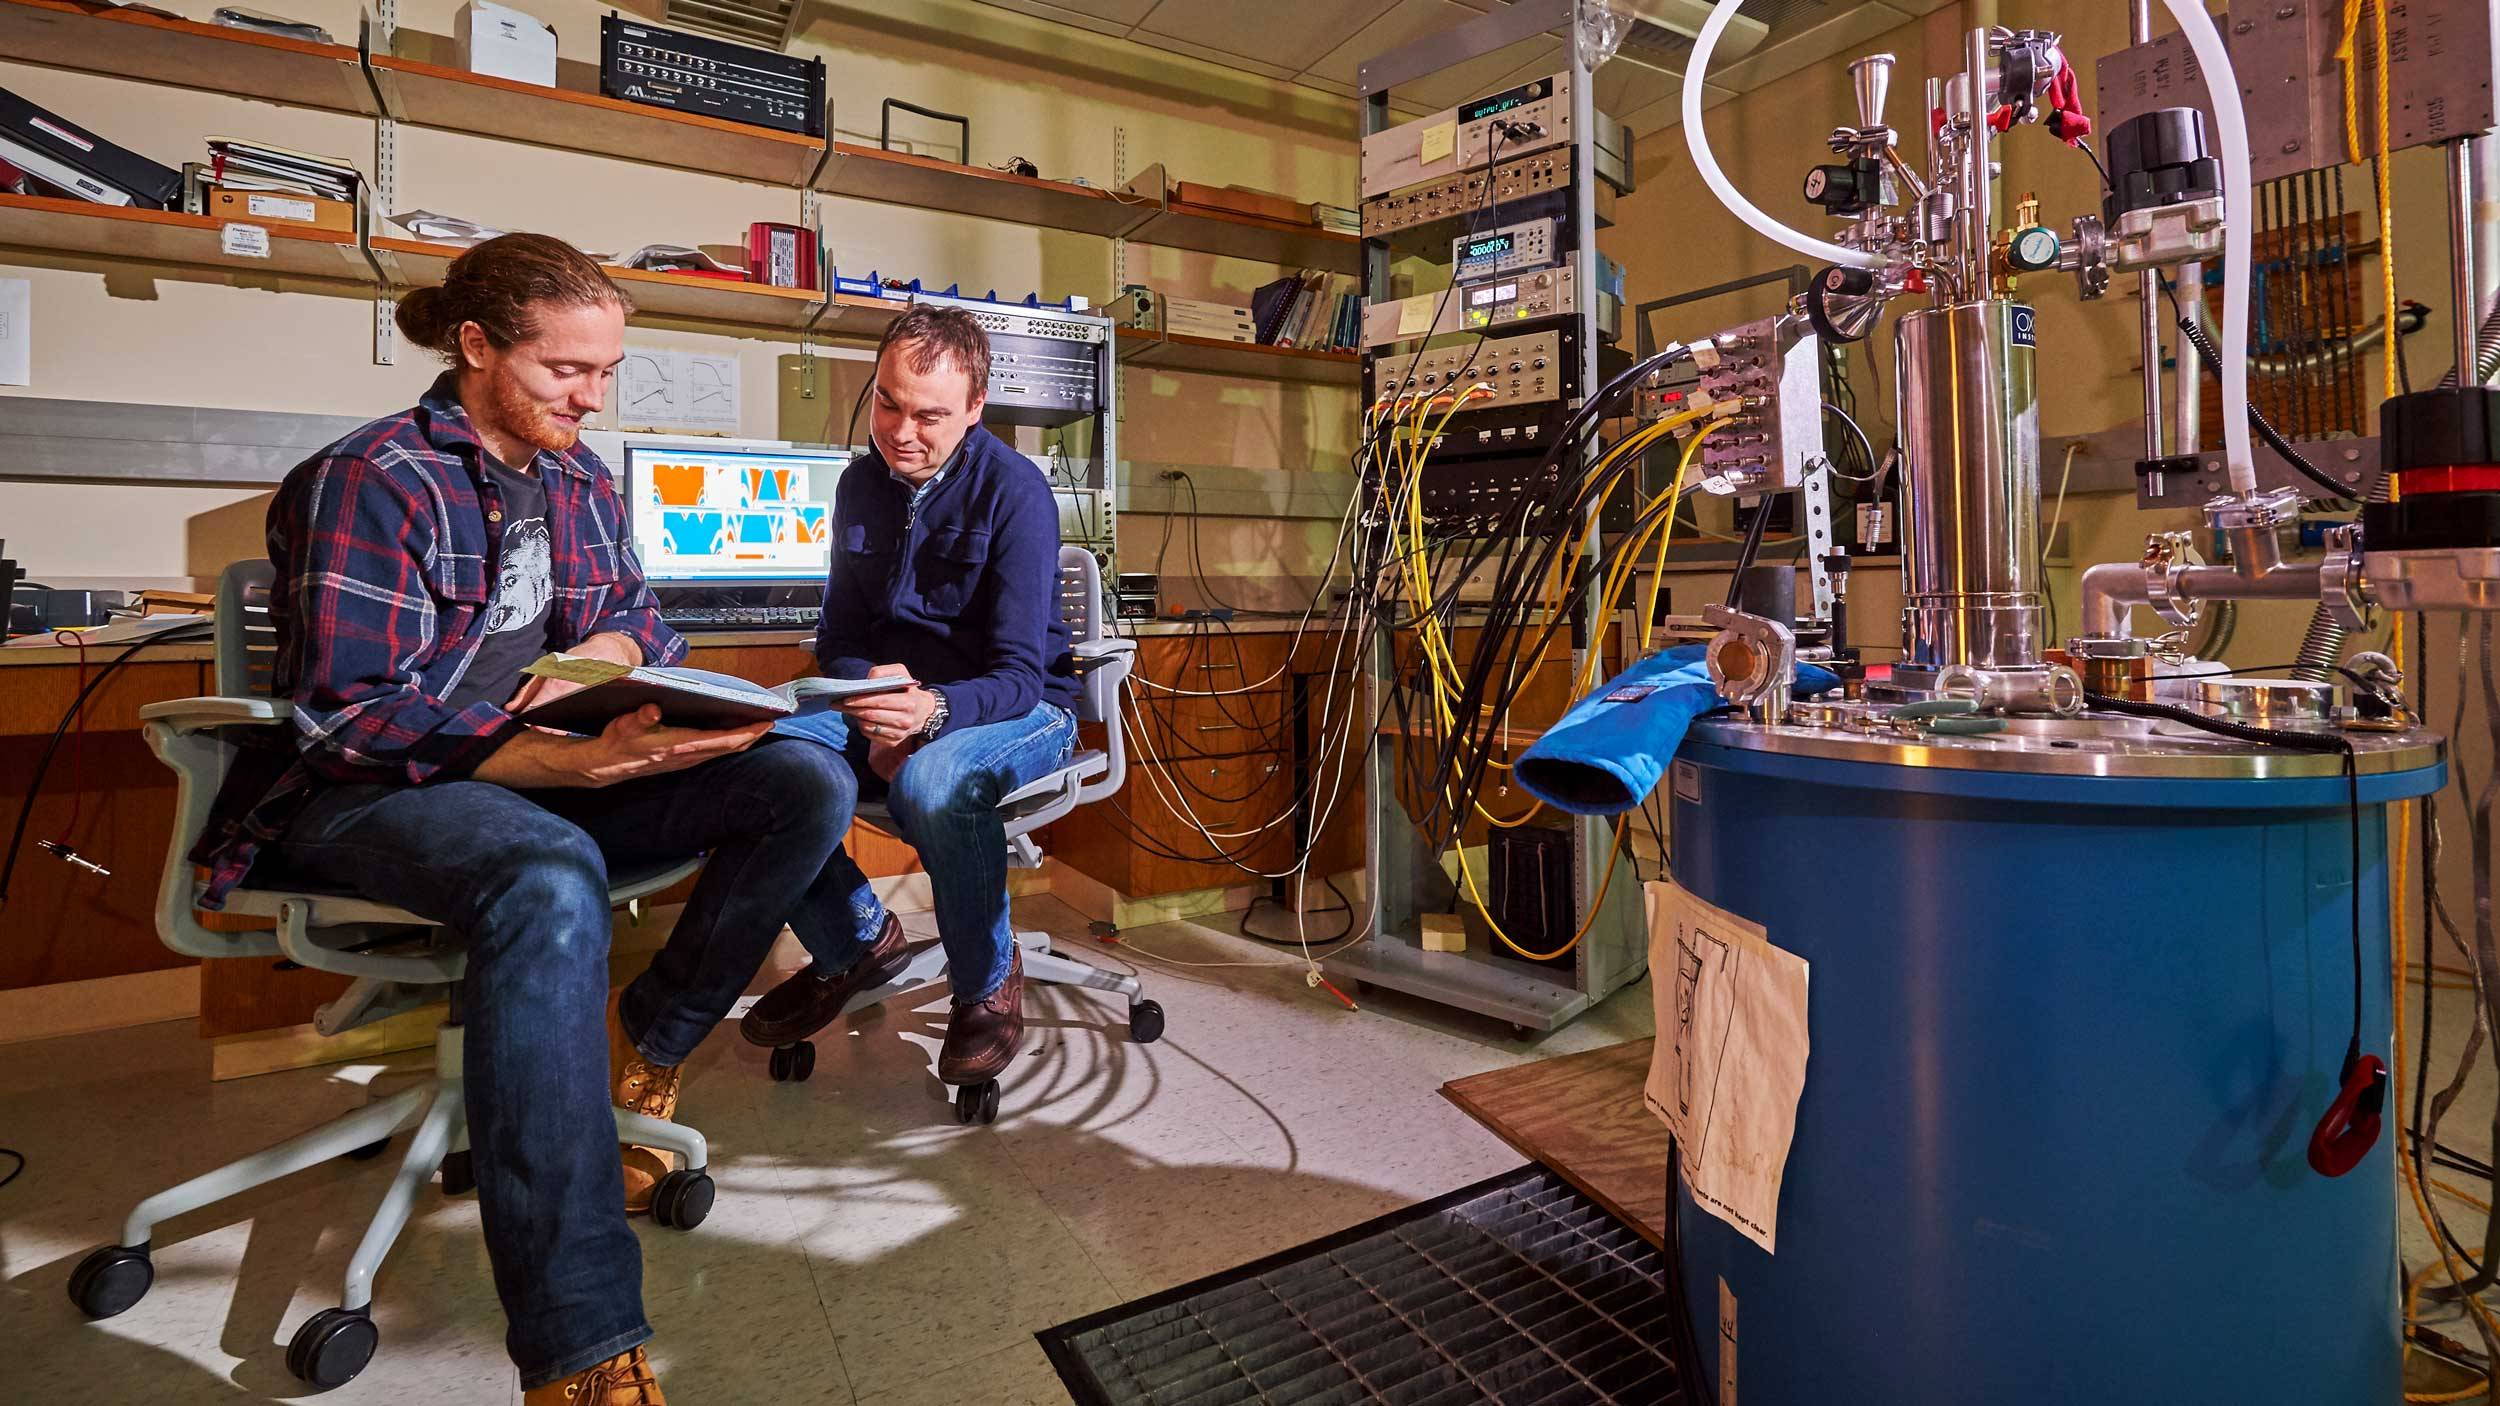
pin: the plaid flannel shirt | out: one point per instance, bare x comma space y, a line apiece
385, 569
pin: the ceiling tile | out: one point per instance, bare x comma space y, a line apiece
1290, 33
1214, 55
1409, 20
1120, 12
1074, 18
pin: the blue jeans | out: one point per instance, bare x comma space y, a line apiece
944, 801
523, 876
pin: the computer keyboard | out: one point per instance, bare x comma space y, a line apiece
742, 617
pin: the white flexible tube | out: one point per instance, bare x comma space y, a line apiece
1695, 70
2239, 206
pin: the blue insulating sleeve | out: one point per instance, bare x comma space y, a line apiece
1609, 751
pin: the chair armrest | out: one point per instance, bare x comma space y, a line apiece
193, 714
1102, 649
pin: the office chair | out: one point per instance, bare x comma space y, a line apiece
1103, 664
399, 961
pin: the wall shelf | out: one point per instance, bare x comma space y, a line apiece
165, 237
409, 263
901, 178
124, 43
858, 318
1208, 356
430, 95
1207, 230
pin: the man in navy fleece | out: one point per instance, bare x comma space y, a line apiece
945, 571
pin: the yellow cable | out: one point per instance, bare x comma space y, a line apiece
2401, 850
1631, 444
1675, 495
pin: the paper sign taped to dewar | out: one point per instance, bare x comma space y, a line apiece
1730, 1063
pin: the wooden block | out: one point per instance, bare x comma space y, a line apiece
1444, 932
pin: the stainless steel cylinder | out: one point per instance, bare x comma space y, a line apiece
1969, 416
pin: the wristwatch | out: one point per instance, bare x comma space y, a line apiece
937, 717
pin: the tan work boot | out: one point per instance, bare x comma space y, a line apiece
623, 1380
645, 1088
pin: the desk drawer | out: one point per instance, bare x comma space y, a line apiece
1177, 728
1213, 660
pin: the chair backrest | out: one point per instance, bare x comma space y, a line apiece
247, 639
1097, 701
1080, 609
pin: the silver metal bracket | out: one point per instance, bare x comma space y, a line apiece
1753, 661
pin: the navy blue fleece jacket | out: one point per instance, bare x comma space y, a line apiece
963, 591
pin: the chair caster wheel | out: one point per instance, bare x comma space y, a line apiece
111, 1279
369, 1151
459, 1173
682, 1199
332, 1347
1145, 1022
977, 1103
791, 1064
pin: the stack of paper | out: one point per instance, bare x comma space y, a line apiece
678, 258
240, 165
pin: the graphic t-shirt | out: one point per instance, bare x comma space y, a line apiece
517, 616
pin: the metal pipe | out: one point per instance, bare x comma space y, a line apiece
2148, 290
2189, 423
2111, 590
1980, 194
2461, 284
2486, 219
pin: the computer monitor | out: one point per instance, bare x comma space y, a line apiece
713, 514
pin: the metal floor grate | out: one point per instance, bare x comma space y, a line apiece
1518, 1290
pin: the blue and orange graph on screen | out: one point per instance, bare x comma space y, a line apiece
731, 515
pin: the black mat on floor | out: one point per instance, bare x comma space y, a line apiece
1515, 1290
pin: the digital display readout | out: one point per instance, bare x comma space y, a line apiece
1490, 246
1499, 103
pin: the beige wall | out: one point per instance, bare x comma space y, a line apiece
162, 336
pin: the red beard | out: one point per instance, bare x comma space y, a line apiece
527, 420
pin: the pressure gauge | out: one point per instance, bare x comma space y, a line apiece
2035, 249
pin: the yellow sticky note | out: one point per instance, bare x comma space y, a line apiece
1414, 316
1440, 139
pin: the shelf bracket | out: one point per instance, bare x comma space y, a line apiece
381, 197
808, 219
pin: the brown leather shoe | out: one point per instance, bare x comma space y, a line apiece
623, 1380
808, 1002
981, 1037
646, 1088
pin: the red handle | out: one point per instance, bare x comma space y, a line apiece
2350, 1128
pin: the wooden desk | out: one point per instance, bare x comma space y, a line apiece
1581, 1115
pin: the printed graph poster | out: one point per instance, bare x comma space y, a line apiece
674, 390
1730, 1062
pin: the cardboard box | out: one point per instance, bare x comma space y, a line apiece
501, 42
260, 207
1444, 932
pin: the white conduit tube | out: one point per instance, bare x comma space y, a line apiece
2239, 204
1695, 70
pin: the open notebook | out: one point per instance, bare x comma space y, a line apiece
695, 698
